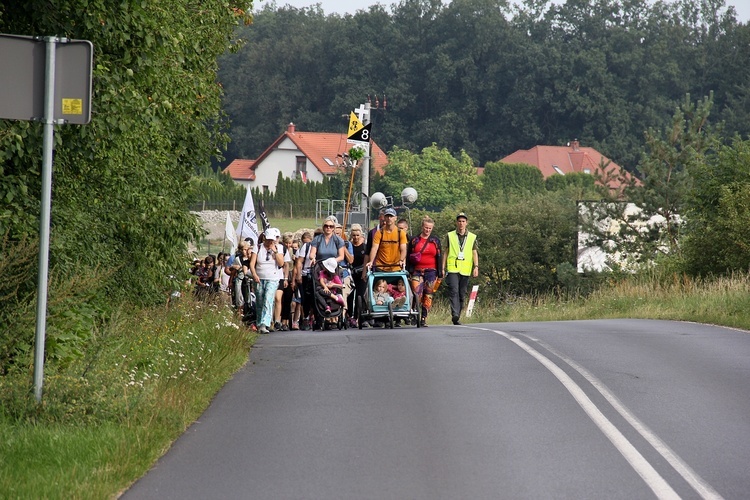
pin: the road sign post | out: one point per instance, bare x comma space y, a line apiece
26, 96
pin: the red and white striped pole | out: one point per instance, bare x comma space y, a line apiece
472, 299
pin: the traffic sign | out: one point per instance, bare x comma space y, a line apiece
22, 79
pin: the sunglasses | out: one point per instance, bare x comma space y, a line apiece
328, 226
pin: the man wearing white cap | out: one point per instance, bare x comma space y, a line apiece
388, 251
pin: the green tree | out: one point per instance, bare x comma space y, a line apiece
716, 237
584, 182
122, 183
511, 178
666, 170
439, 178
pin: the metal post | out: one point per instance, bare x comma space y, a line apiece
44, 223
366, 161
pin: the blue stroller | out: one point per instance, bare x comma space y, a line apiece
368, 309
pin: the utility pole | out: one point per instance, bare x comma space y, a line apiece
363, 113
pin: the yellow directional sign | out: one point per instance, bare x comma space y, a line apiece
361, 135
354, 125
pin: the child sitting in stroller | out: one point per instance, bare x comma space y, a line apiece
330, 283
398, 292
384, 294
380, 294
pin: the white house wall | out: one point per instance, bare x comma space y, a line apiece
282, 159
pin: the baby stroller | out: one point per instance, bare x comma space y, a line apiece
368, 309
323, 319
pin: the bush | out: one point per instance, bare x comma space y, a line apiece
521, 241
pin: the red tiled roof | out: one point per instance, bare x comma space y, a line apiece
241, 169
568, 159
317, 146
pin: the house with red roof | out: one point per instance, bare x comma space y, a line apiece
310, 156
561, 160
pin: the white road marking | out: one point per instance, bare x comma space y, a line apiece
641, 466
698, 483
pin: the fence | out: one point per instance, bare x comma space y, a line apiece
283, 210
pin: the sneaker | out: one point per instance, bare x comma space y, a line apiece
352, 323
277, 326
263, 329
328, 311
423, 322
455, 320
340, 299
295, 325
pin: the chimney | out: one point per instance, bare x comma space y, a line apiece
575, 144
290, 128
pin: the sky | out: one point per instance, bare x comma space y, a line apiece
351, 6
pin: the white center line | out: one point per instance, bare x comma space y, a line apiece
698, 483
641, 466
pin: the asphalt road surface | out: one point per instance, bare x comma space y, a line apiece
582, 410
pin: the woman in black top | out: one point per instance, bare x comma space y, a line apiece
359, 246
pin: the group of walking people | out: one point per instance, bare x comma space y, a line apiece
271, 283
426, 261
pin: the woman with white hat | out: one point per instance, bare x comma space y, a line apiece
265, 265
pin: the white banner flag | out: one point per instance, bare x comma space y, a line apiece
230, 234
248, 226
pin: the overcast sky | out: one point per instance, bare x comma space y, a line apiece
351, 6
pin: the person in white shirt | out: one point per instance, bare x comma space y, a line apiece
264, 266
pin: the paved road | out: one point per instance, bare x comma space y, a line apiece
585, 409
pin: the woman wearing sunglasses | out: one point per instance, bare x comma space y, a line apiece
327, 245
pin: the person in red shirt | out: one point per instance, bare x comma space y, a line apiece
424, 266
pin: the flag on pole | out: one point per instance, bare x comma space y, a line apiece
263, 217
230, 234
247, 227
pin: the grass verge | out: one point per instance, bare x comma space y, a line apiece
719, 301
107, 417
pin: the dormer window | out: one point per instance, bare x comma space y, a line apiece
587, 171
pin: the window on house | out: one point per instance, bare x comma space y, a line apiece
301, 170
558, 170
265, 189
586, 170
328, 161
